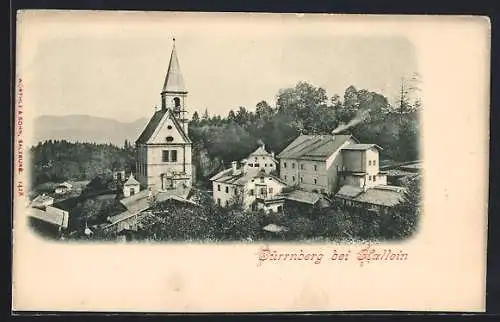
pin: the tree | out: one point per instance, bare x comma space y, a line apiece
195, 118
401, 222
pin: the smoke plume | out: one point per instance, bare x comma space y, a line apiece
361, 115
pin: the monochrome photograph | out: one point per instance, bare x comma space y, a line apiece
332, 155
169, 161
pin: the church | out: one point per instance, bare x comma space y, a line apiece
163, 160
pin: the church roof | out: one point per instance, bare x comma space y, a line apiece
174, 82
153, 124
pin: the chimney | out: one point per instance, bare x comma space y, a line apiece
272, 154
234, 166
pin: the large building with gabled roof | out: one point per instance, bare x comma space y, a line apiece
164, 149
323, 163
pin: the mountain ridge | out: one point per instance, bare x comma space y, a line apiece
86, 128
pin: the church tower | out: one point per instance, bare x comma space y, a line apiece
164, 148
174, 93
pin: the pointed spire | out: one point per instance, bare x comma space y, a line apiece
174, 82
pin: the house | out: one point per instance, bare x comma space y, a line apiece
360, 166
312, 162
119, 175
260, 159
378, 198
323, 163
164, 149
52, 215
63, 188
253, 187
305, 198
42, 201
137, 206
131, 186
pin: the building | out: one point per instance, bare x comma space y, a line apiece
131, 186
42, 201
323, 163
51, 215
249, 186
260, 159
164, 148
378, 198
63, 188
360, 166
137, 206
312, 162
119, 175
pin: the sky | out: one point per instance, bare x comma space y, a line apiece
113, 65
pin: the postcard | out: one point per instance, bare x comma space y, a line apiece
250, 162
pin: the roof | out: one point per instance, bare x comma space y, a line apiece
131, 181
65, 184
54, 218
155, 121
303, 196
314, 147
361, 147
240, 177
42, 198
274, 228
379, 195
174, 82
349, 191
140, 202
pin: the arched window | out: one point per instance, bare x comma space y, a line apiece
177, 103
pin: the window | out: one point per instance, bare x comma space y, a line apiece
218, 201
169, 139
262, 180
301, 179
369, 162
227, 203
293, 178
262, 191
316, 168
169, 127
164, 157
235, 191
256, 159
369, 178
315, 181
374, 178
218, 187
284, 165
174, 155
251, 192
250, 165
177, 102
270, 190
284, 177
293, 165
301, 167
374, 162
227, 189
257, 165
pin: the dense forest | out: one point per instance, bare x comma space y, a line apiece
218, 140
55, 161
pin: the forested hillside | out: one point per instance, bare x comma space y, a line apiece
307, 109
54, 161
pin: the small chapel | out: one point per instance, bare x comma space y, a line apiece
163, 160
